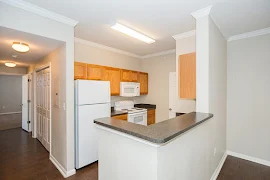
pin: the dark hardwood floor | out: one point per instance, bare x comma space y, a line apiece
24, 158
239, 169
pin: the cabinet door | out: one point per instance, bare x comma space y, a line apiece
151, 116
187, 76
143, 80
122, 117
80, 70
113, 75
125, 75
133, 76
94, 72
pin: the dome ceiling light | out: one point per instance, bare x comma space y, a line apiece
10, 64
20, 47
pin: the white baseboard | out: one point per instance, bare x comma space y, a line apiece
249, 158
218, 169
62, 170
11, 113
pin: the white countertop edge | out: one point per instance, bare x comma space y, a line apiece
129, 136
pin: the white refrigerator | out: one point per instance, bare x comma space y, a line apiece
92, 101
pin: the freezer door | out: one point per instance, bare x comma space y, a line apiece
92, 92
86, 135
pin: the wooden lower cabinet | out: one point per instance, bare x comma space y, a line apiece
122, 117
113, 75
151, 116
80, 70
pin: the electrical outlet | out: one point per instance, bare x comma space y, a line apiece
215, 151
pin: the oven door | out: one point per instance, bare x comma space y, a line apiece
138, 118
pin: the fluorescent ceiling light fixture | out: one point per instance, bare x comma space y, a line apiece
123, 29
20, 47
10, 64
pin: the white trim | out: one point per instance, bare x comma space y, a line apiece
159, 54
249, 158
218, 169
100, 46
11, 74
41, 11
11, 113
128, 136
61, 168
250, 34
202, 12
185, 35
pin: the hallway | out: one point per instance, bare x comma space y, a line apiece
24, 158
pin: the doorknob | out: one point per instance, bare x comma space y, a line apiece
170, 109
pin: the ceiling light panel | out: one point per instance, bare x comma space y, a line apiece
20, 47
130, 32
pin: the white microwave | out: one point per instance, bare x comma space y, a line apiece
129, 89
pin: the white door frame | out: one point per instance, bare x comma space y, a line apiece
30, 117
48, 65
172, 94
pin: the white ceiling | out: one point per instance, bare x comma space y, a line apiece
39, 46
158, 19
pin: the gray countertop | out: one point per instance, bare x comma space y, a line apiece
158, 133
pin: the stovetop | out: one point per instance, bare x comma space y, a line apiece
134, 110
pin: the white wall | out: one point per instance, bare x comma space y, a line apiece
22, 20
158, 69
211, 89
248, 123
184, 46
10, 93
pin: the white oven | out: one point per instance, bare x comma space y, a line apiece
138, 118
129, 89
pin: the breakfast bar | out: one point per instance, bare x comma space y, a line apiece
156, 152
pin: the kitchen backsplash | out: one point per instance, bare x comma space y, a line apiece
136, 100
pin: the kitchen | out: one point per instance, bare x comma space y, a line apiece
138, 91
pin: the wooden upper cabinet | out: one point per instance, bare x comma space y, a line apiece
143, 80
187, 76
113, 75
94, 72
80, 70
129, 76
134, 76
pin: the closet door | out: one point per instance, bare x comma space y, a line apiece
43, 107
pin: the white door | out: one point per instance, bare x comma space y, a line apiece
25, 124
30, 102
172, 94
43, 104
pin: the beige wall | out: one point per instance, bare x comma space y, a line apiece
11, 71
56, 58
248, 99
184, 46
92, 55
158, 77
10, 93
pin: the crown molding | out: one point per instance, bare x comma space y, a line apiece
250, 34
202, 12
185, 35
41, 11
100, 46
158, 54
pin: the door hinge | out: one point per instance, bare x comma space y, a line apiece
28, 101
28, 122
29, 80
